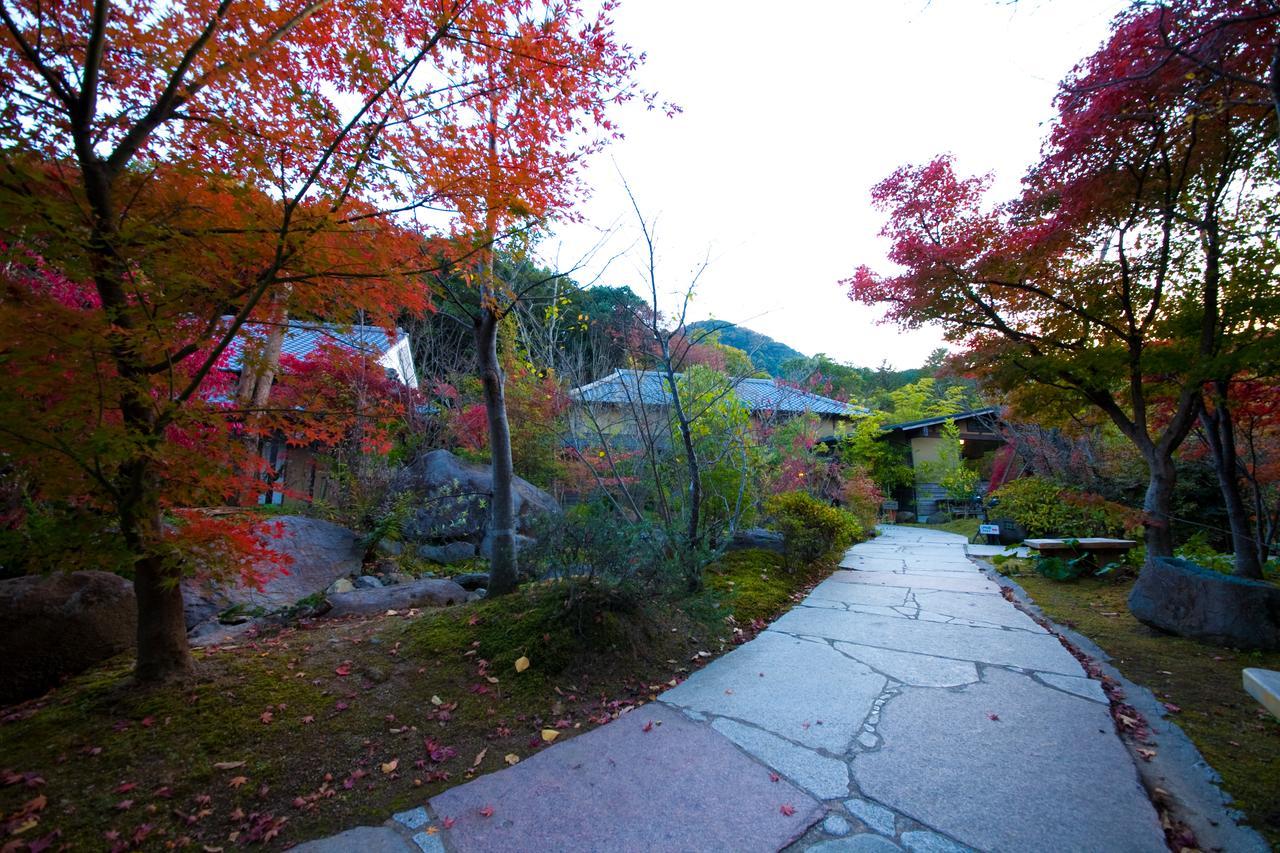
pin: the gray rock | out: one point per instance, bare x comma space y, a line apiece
389, 548
875, 816
837, 826
413, 818
454, 496
61, 624
919, 841
522, 542
906, 516
1180, 597
427, 592
452, 552
367, 582
367, 839
855, 844
756, 537
472, 580
321, 552
341, 585
477, 595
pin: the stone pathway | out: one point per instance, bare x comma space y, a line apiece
904, 704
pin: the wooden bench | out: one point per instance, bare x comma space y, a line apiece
1097, 548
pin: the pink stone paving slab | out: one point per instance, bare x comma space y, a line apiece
678, 787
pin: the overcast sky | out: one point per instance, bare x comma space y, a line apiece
792, 112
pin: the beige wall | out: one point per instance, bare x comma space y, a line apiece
925, 449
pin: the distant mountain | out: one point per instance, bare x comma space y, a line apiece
766, 353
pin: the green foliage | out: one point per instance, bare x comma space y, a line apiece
756, 585
811, 530
590, 542
765, 353
884, 462
1197, 549
1043, 508
949, 470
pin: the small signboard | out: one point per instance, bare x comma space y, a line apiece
989, 529
889, 505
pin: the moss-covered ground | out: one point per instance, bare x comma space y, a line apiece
338, 723
1200, 684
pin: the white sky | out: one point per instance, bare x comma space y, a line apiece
792, 112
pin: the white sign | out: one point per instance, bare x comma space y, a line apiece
989, 529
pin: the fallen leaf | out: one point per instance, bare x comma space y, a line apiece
648, 727
995, 717
237, 781
487, 811
344, 669
436, 700
788, 810
480, 757
511, 758
125, 787
390, 766
1172, 708
549, 735
266, 717
522, 663
491, 679
774, 777
1147, 754
308, 719
228, 765
448, 822
124, 805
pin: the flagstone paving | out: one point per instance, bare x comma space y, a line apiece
903, 705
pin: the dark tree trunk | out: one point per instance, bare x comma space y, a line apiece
163, 652
1157, 504
1220, 435
503, 567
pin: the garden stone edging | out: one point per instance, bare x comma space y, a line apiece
1191, 601
428, 592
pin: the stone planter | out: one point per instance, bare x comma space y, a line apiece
1185, 599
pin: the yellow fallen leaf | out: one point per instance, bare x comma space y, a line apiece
522, 663
480, 757
390, 766
511, 758
436, 700
549, 735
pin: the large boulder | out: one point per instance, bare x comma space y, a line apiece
450, 552
756, 537
58, 625
322, 552
1185, 599
428, 592
453, 497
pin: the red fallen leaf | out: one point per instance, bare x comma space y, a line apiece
147, 722
124, 805
341, 706
788, 810
308, 720
487, 811
648, 727
237, 781
995, 717
164, 792
344, 669
448, 823
266, 717
1172, 708
774, 777
125, 787
474, 620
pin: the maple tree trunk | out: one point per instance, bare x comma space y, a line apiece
1156, 506
1219, 430
502, 535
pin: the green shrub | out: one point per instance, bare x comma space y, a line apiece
591, 542
811, 530
1044, 508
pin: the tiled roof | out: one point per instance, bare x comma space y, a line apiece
923, 422
648, 387
302, 339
